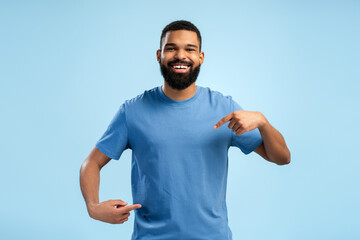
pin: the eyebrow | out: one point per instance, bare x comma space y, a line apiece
188, 45
192, 45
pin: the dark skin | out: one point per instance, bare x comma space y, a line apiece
183, 45
111, 211
273, 148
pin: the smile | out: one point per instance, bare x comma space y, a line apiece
180, 68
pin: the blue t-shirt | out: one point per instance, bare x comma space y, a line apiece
179, 162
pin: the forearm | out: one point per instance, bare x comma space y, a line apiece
274, 144
89, 183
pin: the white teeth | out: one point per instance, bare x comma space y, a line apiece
181, 66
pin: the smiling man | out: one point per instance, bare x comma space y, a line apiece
179, 149
180, 58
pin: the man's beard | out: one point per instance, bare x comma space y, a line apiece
179, 81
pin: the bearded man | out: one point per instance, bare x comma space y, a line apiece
179, 149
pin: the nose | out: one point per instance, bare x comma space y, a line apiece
180, 54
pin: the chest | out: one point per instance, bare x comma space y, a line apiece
176, 130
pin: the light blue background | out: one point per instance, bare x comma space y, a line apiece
66, 66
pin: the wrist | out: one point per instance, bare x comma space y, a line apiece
263, 122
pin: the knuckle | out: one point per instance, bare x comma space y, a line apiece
117, 220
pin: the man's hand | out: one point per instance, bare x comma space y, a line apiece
273, 148
243, 121
112, 211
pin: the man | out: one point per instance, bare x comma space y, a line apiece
179, 149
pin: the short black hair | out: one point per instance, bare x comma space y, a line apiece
180, 25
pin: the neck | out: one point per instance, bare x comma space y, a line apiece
175, 94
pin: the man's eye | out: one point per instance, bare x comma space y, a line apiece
170, 49
190, 49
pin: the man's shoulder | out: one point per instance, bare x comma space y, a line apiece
143, 97
214, 94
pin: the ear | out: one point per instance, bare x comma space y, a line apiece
202, 56
158, 55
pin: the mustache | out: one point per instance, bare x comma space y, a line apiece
180, 61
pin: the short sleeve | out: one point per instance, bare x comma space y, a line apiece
248, 141
115, 139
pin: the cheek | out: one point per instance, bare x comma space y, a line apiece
196, 62
165, 59
195, 59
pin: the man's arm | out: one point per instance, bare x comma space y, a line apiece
111, 211
273, 148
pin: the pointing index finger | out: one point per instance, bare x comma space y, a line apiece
132, 207
223, 120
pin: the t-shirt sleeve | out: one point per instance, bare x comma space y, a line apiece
115, 139
248, 141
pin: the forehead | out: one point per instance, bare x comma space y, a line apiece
181, 37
